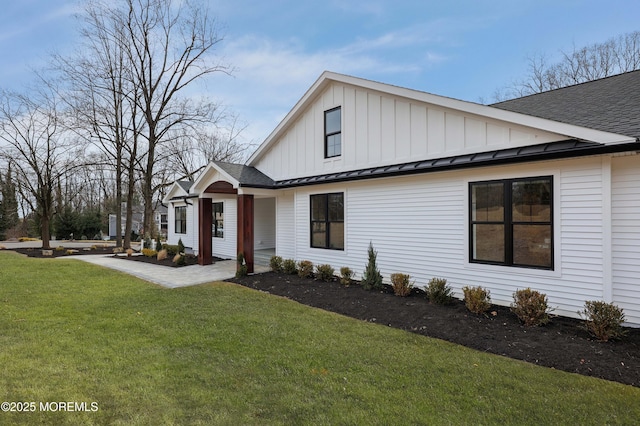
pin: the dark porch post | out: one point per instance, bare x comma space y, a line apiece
205, 216
245, 229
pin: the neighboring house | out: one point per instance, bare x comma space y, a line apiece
160, 217
540, 192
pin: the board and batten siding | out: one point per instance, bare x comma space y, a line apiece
625, 206
381, 129
419, 226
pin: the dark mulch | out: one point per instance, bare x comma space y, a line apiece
561, 344
189, 260
37, 252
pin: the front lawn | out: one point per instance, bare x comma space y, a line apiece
223, 354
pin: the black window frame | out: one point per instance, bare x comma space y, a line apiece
328, 134
327, 221
509, 223
180, 224
215, 222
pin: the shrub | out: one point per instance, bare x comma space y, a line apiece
439, 292
305, 269
371, 278
147, 243
147, 252
289, 266
176, 258
129, 252
158, 245
476, 299
346, 274
181, 259
276, 263
172, 249
324, 272
162, 254
603, 320
180, 246
401, 284
59, 248
531, 307
117, 250
241, 269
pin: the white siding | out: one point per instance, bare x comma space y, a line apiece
382, 129
190, 239
626, 235
226, 247
419, 225
265, 223
285, 226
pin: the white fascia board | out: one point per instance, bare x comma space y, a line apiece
568, 130
174, 191
195, 188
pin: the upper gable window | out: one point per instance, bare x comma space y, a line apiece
333, 132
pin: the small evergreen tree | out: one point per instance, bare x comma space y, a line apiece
8, 204
180, 246
371, 278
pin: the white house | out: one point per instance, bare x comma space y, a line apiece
540, 192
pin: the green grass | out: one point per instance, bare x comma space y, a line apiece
223, 354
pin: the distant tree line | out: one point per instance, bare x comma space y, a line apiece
615, 56
114, 123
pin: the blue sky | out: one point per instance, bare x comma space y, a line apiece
462, 49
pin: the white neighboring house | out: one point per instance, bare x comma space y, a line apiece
540, 192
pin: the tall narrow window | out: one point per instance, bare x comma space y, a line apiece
181, 219
218, 220
511, 222
332, 133
327, 221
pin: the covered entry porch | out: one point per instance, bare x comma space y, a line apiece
236, 214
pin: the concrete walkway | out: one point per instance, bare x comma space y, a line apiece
165, 276
168, 276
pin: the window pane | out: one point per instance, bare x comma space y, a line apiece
336, 235
336, 207
532, 201
488, 243
333, 145
332, 121
218, 220
318, 207
487, 202
532, 245
318, 234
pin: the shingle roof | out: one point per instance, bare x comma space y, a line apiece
185, 184
611, 104
246, 175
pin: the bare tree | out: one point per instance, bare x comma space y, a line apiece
35, 141
169, 46
614, 56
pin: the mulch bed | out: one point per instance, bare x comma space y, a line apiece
561, 344
37, 252
189, 260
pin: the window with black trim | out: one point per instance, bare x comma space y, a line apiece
217, 226
511, 222
333, 132
327, 221
181, 219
